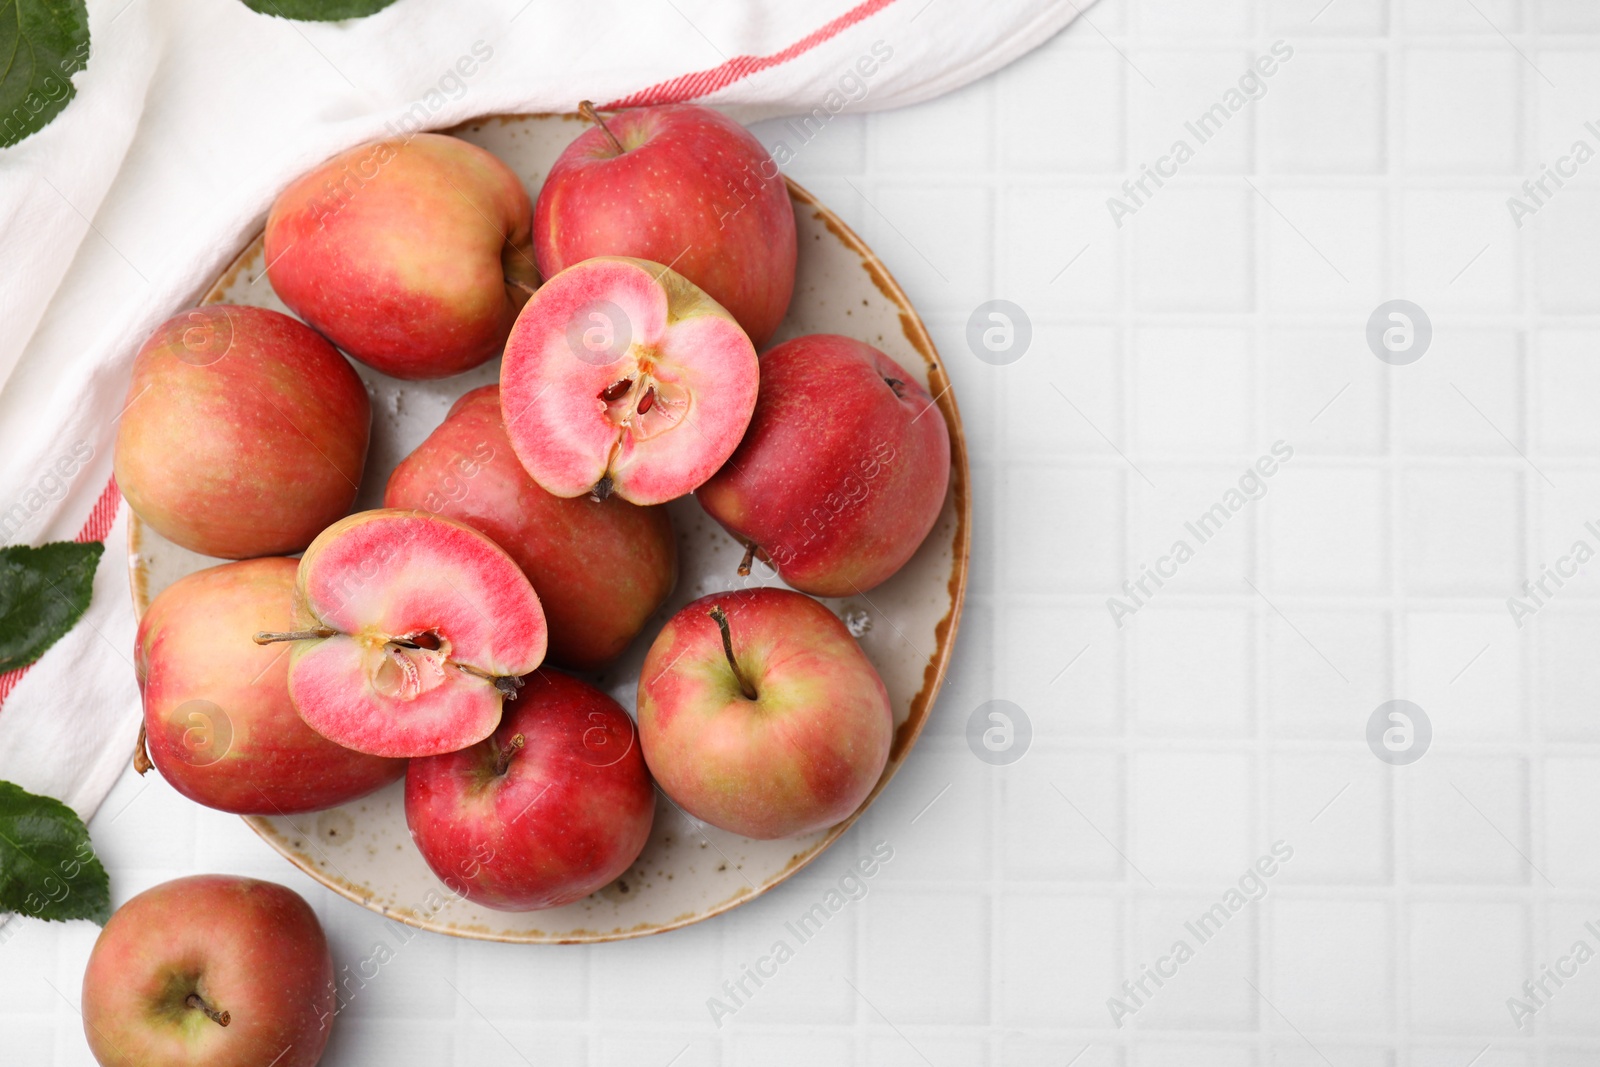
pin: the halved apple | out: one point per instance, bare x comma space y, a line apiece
622, 376
412, 630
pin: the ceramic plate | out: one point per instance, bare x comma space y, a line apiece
688, 871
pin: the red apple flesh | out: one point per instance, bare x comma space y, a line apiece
410, 631
219, 724
412, 255
843, 471
244, 432
682, 185
554, 806
775, 726
601, 568
177, 960
622, 376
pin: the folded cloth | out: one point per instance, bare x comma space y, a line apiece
193, 114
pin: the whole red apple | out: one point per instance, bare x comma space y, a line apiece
843, 471
551, 808
412, 255
218, 721
601, 567
244, 432
760, 714
210, 971
681, 185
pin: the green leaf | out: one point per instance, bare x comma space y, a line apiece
44, 591
43, 43
317, 10
48, 869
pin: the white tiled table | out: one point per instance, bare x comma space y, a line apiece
1226, 314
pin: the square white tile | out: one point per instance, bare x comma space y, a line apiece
1174, 369
1324, 530
1205, 966
906, 932
1321, 670
1325, 113
1336, 813
1326, 248
1459, 983
1036, 932
1323, 391
1463, 530
1061, 818
1195, 250
1467, 820
1193, 673
1194, 813
1462, 110
1079, 131
1331, 964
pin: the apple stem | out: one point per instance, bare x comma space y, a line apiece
586, 109
507, 684
744, 564
221, 1018
141, 754
521, 286
721, 618
503, 760
268, 637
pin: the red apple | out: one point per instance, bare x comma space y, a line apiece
622, 376
244, 433
601, 567
843, 471
412, 255
682, 185
210, 971
551, 808
219, 724
759, 714
410, 630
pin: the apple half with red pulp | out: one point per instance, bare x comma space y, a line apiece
622, 376
412, 629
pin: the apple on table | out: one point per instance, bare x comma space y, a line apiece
210, 971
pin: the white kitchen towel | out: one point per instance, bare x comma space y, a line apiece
193, 114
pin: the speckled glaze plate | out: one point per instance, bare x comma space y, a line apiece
688, 871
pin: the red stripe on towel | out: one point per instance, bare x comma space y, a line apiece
705, 82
